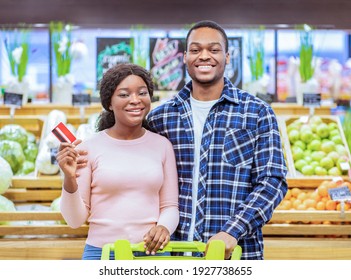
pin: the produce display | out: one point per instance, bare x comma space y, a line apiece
314, 200
317, 146
19, 148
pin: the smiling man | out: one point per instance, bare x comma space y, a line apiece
230, 161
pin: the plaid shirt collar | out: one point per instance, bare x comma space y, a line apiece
229, 93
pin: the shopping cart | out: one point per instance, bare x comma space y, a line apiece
123, 250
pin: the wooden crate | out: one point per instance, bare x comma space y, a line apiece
38, 234
295, 109
284, 121
290, 236
45, 109
33, 124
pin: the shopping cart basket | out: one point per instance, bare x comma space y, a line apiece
123, 250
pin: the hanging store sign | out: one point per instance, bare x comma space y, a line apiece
111, 51
166, 63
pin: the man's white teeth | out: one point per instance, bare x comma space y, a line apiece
134, 111
205, 67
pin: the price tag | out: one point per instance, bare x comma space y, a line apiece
13, 99
268, 98
312, 100
340, 194
344, 166
53, 153
81, 99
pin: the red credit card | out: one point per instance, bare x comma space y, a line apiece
63, 134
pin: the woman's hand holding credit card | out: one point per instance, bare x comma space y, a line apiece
68, 157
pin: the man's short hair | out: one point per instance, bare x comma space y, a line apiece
208, 24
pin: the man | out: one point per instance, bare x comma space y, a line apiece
230, 161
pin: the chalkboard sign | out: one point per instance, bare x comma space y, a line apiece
13, 99
312, 99
166, 63
234, 70
111, 51
340, 193
81, 99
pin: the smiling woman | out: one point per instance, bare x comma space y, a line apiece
122, 167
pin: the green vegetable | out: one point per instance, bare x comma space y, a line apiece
12, 152
31, 137
5, 175
14, 132
31, 151
6, 205
26, 168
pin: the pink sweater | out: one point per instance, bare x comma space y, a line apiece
127, 187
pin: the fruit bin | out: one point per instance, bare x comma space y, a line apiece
34, 231
33, 124
310, 233
298, 147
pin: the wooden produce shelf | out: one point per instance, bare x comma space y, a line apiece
33, 124
287, 248
295, 109
45, 109
283, 122
38, 234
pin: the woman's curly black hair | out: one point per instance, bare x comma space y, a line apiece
109, 82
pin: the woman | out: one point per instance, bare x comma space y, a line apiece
128, 188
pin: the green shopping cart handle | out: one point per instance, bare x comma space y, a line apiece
125, 249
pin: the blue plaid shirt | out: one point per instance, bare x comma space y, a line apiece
242, 167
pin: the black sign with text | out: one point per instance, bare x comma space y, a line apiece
234, 70
166, 62
14, 99
81, 99
266, 97
111, 51
340, 193
312, 99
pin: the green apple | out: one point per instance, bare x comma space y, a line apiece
334, 156
306, 135
332, 126
318, 170
293, 136
307, 153
327, 163
334, 132
328, 146
300, 144
308, 159
337, 139
314, 164
318, 155
293, 126
297, 153
307, 170
316, 120
334, 171
314, 145
299, 164
322, 130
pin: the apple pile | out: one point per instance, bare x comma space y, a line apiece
317, 147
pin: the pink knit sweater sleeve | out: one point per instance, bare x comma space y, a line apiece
75, 206
169, 213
